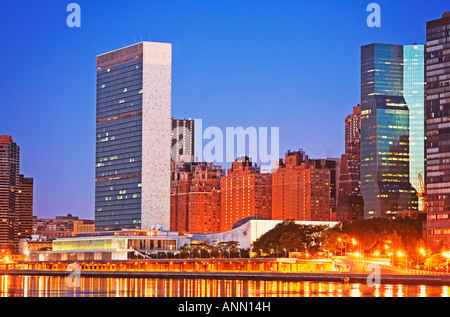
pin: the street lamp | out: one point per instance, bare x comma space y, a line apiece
400, 254
356, 242
386, 247
421, 252
345, 244
285, 255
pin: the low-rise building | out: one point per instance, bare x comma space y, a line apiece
61, 226
248, 230
113, 245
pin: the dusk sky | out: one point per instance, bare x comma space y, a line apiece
287, 64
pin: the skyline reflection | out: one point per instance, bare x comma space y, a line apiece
48, 286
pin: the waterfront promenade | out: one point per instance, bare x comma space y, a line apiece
324, 270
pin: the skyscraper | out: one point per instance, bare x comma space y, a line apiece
133, 143
24, 206
414, 94
438, 131
353, 150
385, 185
350, 202
16, 197
9, 183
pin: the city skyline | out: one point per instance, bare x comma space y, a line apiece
62, 165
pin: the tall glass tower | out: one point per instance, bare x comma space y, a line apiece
385, 129
414, 94
133, 142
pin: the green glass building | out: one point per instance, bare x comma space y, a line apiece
385, 133
414, 94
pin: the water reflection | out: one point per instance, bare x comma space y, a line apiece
43, 286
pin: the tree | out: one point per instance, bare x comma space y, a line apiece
290, 236
373, 234
436, 262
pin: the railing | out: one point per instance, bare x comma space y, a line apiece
399, 269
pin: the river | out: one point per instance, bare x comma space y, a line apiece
51, 286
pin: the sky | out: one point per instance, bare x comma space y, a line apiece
260, 63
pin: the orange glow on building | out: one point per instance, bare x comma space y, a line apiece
300, 191
245, 192
195, 198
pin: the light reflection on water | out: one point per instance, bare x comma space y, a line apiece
47, 286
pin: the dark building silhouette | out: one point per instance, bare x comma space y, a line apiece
438, 133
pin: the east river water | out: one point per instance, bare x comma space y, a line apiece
51, 286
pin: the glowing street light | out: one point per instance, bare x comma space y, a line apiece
400, 254
345, 244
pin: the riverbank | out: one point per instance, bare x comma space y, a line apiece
279, 276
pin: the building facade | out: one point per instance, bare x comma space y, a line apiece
414, 94
133, 145
115, 245
301, 189
353, 150
350, 202
195, 198
9, 183
385, 185
16, 197
438, 132
245, 192
24, 206
61, 226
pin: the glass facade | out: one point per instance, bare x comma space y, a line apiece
381, 71
385, 185
414, 93
119, 146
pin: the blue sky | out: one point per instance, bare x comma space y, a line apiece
288, 64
